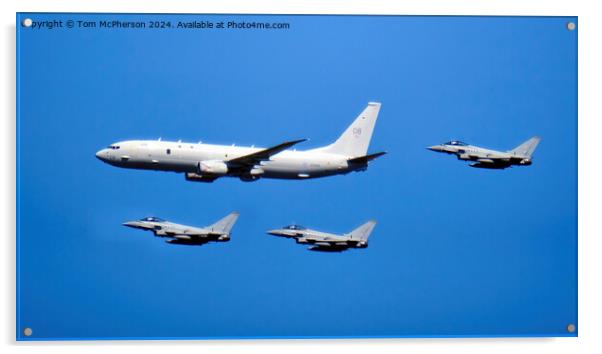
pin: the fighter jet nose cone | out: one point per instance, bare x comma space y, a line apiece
273, 232
434, 148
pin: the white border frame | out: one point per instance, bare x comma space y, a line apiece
590, 230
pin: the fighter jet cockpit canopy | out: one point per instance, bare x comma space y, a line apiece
295, 227
152, 219
455, 143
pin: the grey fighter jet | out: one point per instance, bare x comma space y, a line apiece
188, 235
492, 159
322, 241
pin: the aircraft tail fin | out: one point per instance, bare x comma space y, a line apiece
225, 225
363, 232
527, 148
356, 138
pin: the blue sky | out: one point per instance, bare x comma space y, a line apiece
456, 251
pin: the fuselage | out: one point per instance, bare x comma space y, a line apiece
191, 158
162, 228
483, 158
309, 236
470, 152
208, 162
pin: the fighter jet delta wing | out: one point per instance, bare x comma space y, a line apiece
219, 231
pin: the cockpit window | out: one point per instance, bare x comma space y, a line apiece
294, 227
113, 147
456, 143
152, 218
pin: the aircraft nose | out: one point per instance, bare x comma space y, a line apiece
101, 154
130, 224
275, 232
435, 148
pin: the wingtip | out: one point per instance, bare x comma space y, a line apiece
299, 141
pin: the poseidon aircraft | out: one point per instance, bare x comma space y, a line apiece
485, 158
184, 234
206, 162
323, 241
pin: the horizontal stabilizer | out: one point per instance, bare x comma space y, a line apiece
366, 158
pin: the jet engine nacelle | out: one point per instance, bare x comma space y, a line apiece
253, 175
464, 156
362, 244
248, 178
195, 177
159, 232
212, 167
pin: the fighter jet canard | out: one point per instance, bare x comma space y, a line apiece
207, 162
492, 159
327, 242
184, 234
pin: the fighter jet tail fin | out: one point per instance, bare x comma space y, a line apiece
225, 225
356, 139
527, 148
363, 232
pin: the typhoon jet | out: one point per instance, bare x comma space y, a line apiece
184, 234
206, 162
492, 159
326, 242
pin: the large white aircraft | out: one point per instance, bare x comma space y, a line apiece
206, 162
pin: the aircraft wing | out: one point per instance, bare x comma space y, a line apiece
186, 237
187, 240
366, 158
261, 155
325, 243
492, 163
190, 234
